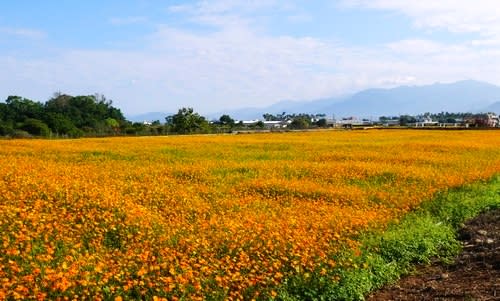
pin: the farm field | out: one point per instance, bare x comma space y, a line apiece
213, 217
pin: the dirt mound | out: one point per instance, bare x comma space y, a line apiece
474, 275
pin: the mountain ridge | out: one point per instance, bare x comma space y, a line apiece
461, 96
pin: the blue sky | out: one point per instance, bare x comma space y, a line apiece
152, 55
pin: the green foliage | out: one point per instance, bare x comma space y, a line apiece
429, 232
3, 112
61, 125
300, 123
322, 123
18, 109
464, 203
186, 121
63, 115
35, 127
113, 239
91, 114
416, 240
6, 130
21, 134
406, 119
226, 120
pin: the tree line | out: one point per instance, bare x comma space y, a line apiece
61, 116
94, 115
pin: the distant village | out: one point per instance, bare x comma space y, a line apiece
440, 120
66, 116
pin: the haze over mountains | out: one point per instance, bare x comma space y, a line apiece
463, 96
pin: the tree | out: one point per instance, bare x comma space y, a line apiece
6, 130
186, 121
300, 123
91, 112
61, 125
406, 119
322, 123
35, 127
18, 109
269, 117
3, 112
226, 120
259, 124
278, 117
113, 124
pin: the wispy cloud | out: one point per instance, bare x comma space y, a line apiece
460, 16
132, 20
223, 13
238, 63
24, 33
218, 7
300, 18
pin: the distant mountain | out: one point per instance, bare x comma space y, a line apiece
462, 96
287, 106
152, 116
495, 108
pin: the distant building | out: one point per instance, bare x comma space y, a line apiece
248, 122
391, 122
482, 120
280, 124
426, 121
350, 122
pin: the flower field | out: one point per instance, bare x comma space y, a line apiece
212, 217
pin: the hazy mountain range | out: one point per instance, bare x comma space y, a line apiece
462, 96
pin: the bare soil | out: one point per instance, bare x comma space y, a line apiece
474, 275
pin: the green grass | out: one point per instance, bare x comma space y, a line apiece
425, 234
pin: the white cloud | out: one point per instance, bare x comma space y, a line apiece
218, 7
239, 67
237, 64
225, 13
423, 47
300, 18
460, 16
24, 33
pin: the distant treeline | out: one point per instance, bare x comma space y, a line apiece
94, 115
66, 116
442, 117
61, 116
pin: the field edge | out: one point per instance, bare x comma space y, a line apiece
424, 235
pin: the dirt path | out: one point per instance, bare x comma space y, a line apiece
475, 274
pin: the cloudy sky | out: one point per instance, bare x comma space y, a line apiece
153, 55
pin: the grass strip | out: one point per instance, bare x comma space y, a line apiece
425, 234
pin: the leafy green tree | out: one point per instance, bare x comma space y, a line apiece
61, 125
18, 109
226, 120
269, 117
90, 113
186, 121
113, 124
322, 123
3, 112
259, 124
406, 119
6, 129
35, 127
300, 123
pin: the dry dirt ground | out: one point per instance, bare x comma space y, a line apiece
474, 275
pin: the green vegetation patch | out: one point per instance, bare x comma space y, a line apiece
428, 233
